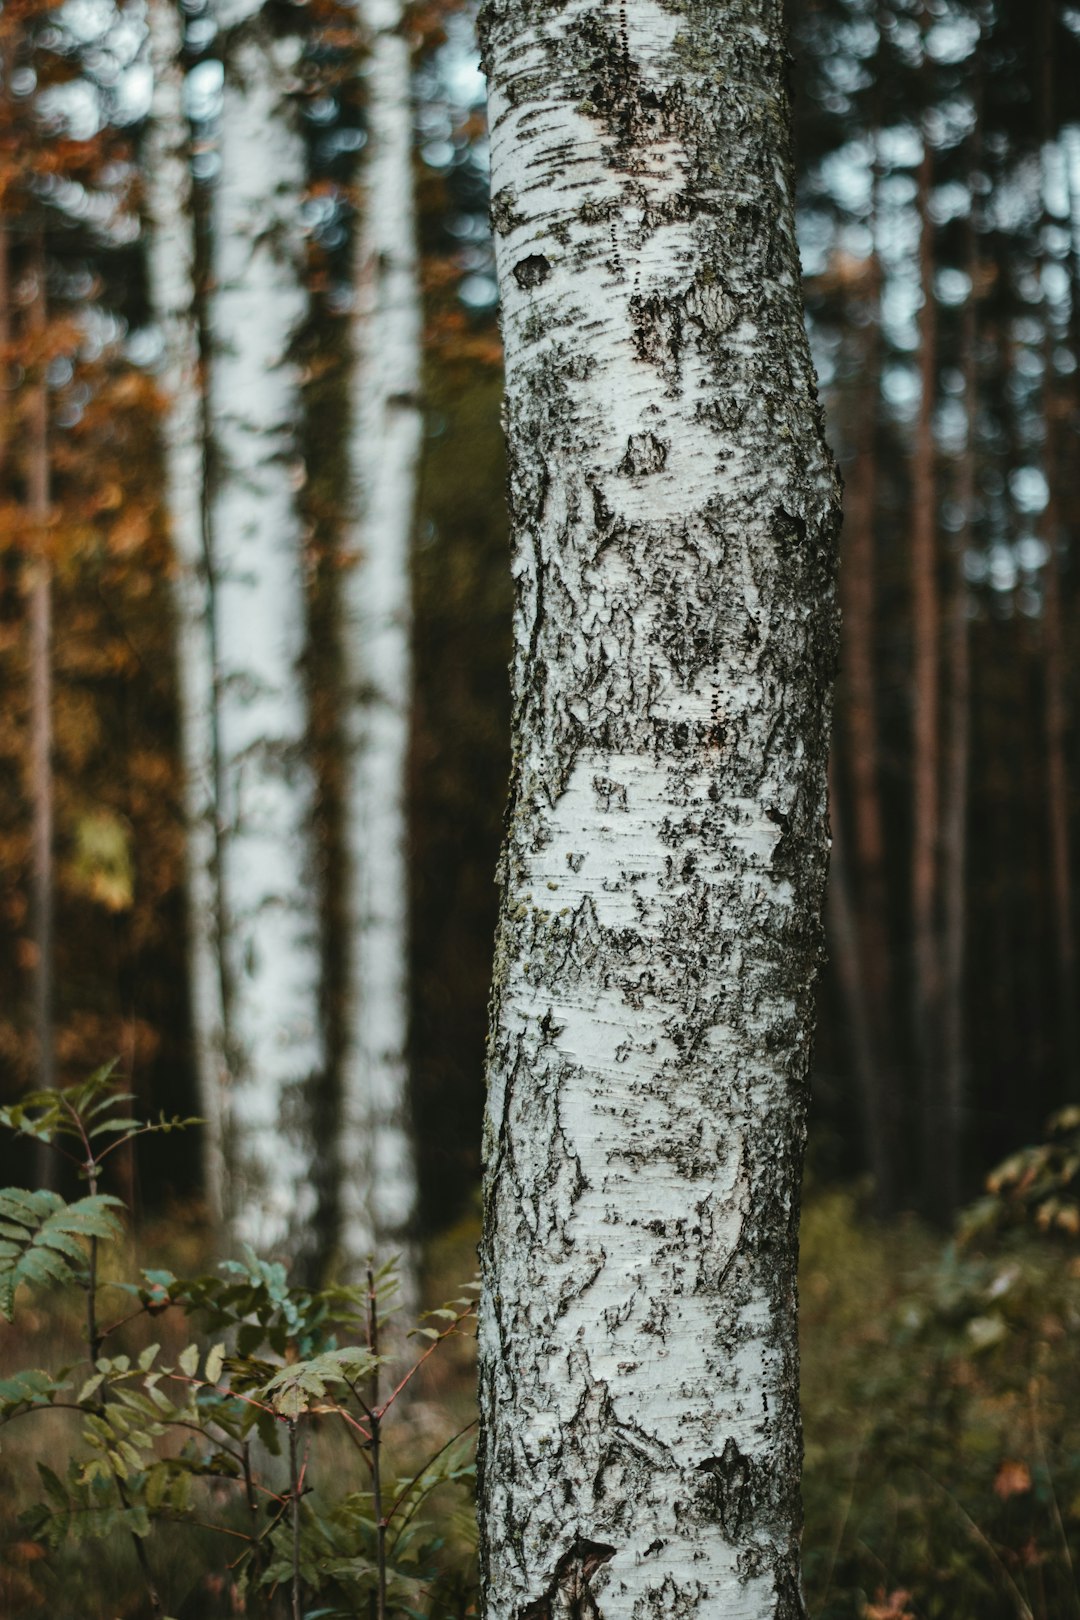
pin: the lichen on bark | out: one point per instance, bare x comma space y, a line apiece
674, 514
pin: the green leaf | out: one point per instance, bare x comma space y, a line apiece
90, 1387
290, 1401
214, 1363
31, 1387
43, 1240
189, 1360
116, 1127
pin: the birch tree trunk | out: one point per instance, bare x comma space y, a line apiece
674, 512
378, 1174
267, 794
171, 267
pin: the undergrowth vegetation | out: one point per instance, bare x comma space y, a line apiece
184, 1440
214, 1444
941, 1401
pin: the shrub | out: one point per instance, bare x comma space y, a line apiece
265, 1431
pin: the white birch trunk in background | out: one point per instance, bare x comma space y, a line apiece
171, 266
378, 1176
267, 791
675, 514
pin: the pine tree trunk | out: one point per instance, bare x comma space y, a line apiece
674, 514
1055, 701
869, 958
847, 950
378, 1195
957, 773
171, 269
270, 925
926, 724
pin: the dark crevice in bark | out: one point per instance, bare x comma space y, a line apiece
569, 1594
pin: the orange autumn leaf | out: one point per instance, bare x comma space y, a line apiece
893, 1607
1013, 1478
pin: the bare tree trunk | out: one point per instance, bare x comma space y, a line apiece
267, 857
926, 725
956, 779
674, 513
869, 916
171, 265
41, 730
378, 1175
1057, 788
848, 951
1056, 714
5, 318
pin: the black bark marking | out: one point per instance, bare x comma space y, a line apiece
789, 1598
532, 271
504, 212
727, 1486
617, 94
568, 1594
665, 324
791, 524
610, 795
645, 454
716, 735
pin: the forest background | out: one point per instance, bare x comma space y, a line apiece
938, 158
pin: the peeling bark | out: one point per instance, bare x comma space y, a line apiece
378, 1192
674, 513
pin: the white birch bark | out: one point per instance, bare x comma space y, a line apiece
267, 792
378, 1179
674, 513
171, 267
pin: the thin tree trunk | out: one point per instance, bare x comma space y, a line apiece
1055, 713
869, 916
956, 778
1055, 719
268, 882
674, 514
41, 681
5, 320
926, 726
847, 948
171, 266
378, 1175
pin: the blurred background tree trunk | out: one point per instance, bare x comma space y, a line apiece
379, 1197
171, 264
269, 922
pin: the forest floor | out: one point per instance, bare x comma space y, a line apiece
941, 1398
